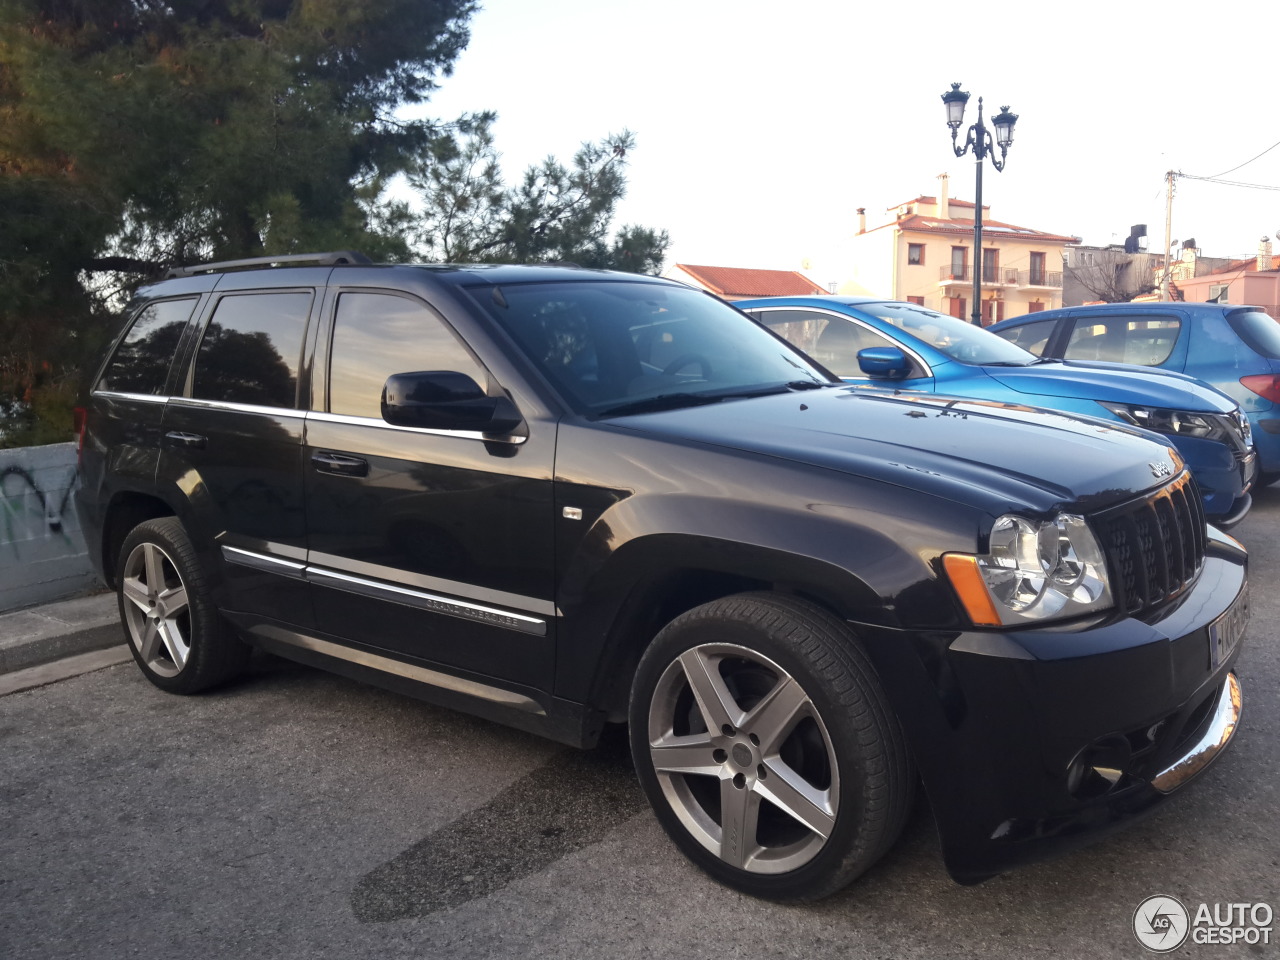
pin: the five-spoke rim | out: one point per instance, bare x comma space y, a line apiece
156, 610
743, 758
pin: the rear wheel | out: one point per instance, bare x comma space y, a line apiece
177, 637
767, 748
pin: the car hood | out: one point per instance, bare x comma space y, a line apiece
1117, 384
983, 453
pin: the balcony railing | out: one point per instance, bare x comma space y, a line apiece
1038, 278
991, 276
1002, 277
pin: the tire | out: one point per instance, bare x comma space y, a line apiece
1266, 479
177, 637
768, 707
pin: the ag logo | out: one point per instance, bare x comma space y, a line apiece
1161, 924
1160, 468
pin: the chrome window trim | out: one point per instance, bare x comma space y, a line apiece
119, 395
348, 419
291, 412
450, 607
836, 314
434, 678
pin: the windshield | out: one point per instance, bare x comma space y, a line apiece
1258, 330
957, 339
606, 345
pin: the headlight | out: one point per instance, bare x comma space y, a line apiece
1035, 571
1177, 423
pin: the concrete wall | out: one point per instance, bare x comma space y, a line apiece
42, 552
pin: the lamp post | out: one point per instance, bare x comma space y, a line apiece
983, 146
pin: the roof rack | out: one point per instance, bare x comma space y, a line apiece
319, 259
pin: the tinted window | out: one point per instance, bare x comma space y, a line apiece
376, 335
251, 349
606, 344
1258, 330
1031, 337
833, 341
141, 364
1143, 340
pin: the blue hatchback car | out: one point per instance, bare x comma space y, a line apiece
886, 343
1234, 348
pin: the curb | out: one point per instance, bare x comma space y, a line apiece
38, 635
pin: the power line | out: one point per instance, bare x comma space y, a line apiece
1229, 183
1245, 164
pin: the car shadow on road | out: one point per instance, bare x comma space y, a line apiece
556, 810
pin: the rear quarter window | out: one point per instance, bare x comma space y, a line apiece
1258, 330
141, 363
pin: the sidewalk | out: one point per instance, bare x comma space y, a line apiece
37, 636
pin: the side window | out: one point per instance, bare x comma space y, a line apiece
833, 341
378, 334
1142, 340
1031, 337
251, 349
141, 364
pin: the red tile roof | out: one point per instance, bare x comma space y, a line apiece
744, 282
992, 229
952, 202
1243, 265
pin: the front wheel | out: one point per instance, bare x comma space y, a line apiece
766, 746
177, 637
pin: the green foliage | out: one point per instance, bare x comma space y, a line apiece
140, 134
136, 135
554, 213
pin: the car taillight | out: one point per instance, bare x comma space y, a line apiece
1264, 385
79, 416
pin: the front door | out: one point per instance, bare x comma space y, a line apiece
429, 544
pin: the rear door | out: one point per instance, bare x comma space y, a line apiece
430, 544
231, 445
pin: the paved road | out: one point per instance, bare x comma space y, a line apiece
301, 815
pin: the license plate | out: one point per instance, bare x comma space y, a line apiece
1225, 632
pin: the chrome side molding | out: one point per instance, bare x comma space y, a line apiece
423, 600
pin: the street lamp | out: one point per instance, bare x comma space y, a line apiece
983, 146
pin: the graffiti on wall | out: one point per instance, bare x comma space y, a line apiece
28, 509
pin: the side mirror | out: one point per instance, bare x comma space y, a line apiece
445, 400
889, 363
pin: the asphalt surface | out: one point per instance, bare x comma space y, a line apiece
297, 814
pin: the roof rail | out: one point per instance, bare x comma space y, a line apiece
319, 259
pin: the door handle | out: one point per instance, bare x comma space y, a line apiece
342, 466
176, 438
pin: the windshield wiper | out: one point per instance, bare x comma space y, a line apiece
663, 401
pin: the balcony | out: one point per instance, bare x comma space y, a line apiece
991, 276
1038, 278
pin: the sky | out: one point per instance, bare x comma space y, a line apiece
762, 127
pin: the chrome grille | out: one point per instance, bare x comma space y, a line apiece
1155, 546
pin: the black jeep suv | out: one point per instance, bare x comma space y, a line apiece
561, 498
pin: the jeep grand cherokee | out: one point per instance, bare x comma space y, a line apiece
561, 498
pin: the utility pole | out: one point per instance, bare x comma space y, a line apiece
1168, 232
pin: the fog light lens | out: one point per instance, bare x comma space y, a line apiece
1098, 768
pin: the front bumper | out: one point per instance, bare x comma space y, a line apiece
1042, 740
1224, 478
